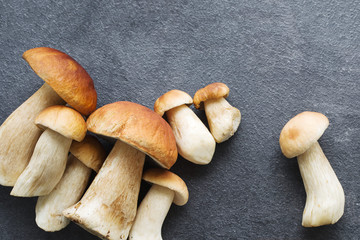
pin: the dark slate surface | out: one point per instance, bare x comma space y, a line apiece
278, 58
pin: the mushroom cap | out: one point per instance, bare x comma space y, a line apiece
211, 91
169, 180
171, 99
301, 132
67, 77
137, 126
90, 152
64, 120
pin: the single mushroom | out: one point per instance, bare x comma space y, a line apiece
108, 207
325, 198
223, 118
167, 188
65, 79
194, 141
84, 156
47, 164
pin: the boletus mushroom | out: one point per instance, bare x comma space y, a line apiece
325, 198
84, 156
167, 188
223, 118
65, 81
47, 164
108, 207
194, 141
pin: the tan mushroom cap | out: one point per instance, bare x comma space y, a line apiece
137, 126
211, 91
171, 99
301, 132
67, 77
169, 180
64, 120
90, 152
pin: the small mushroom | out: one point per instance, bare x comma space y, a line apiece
167, 188
84, 156
65, 80
47, 164
108, 207
194, 141
325, 198
223, 118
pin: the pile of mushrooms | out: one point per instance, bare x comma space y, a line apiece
51, 165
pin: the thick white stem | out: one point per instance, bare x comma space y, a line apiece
223, 118
194, 141
18, 134
325, 198
108, 207
67, 192
46, 166
151, 214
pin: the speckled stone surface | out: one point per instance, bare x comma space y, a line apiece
278, 58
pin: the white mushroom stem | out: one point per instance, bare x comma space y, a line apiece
325, 198
194, 141
223, 118
151, 214
108, 207
67, 192
46, 166
18, 134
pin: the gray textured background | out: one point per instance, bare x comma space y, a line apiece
278, 58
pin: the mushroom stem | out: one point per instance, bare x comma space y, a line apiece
46, 166
108, 207
324, 194
151, 214
223, 118
194, 141
67, 192
18, 134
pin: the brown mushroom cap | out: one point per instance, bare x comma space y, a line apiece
301, 132
171, 99
211, 91
63, 120
169, 180
67, 77
137, 126
90, 152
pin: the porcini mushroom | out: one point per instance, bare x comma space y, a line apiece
65, 79
194, 141
47, 164
325, 198
167, 188
84, 156
108, 207
223, 118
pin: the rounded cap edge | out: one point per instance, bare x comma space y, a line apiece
64, 120
211, 91
300, 132
90, 152
66, 76
171, 99
169, 180
137, 126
